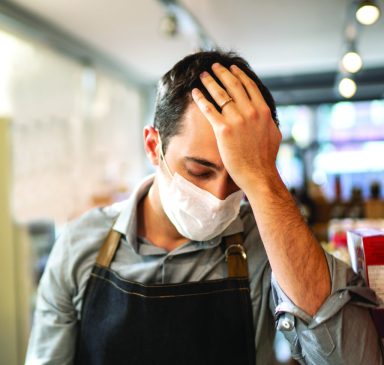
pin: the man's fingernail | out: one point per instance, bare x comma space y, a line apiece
195, 92
233, 68
216, 65
204, 74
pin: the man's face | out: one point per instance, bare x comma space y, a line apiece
194, 154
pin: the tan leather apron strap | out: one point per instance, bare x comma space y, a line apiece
234, 253
108, 249
235, 256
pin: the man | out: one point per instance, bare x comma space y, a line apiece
186, 275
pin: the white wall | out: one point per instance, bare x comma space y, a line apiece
76, 132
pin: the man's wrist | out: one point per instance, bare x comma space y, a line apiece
262, 182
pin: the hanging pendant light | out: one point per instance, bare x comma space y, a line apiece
368, 12
347, 87
351, 61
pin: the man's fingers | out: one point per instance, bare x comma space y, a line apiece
207, 108
232, 84
218, 94
251, 87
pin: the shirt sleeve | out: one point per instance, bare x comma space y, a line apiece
53, 336
341, 332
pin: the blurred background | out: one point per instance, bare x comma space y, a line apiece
77, 85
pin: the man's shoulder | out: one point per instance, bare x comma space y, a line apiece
76, 249
84, 235
95, 221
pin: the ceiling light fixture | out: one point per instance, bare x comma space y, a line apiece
347, 87
351, 61
180, 20
368, 12
169, 25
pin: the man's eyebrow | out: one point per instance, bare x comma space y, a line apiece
203, 162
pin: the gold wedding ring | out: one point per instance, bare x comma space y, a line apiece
225, 103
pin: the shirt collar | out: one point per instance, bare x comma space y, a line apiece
126, 222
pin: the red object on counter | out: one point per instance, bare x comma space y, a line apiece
366, 248
340, 239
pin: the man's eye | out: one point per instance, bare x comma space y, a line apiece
201, 175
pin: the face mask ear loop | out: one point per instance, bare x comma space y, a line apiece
163, 158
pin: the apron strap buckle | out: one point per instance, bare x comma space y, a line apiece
235, 256
235, 249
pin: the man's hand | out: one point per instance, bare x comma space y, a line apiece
248, 141
247, 136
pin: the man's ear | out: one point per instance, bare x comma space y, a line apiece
151, 144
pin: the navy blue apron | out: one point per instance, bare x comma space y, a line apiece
204, 322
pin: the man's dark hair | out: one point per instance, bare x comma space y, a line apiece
175, 87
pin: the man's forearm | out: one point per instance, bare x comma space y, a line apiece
296, 258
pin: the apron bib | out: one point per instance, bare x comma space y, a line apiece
205, 322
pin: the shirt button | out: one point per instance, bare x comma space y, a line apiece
170, 258
286, 324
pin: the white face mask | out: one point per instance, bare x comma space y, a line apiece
196, 213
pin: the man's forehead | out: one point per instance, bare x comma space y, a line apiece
195, 125
196, 138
